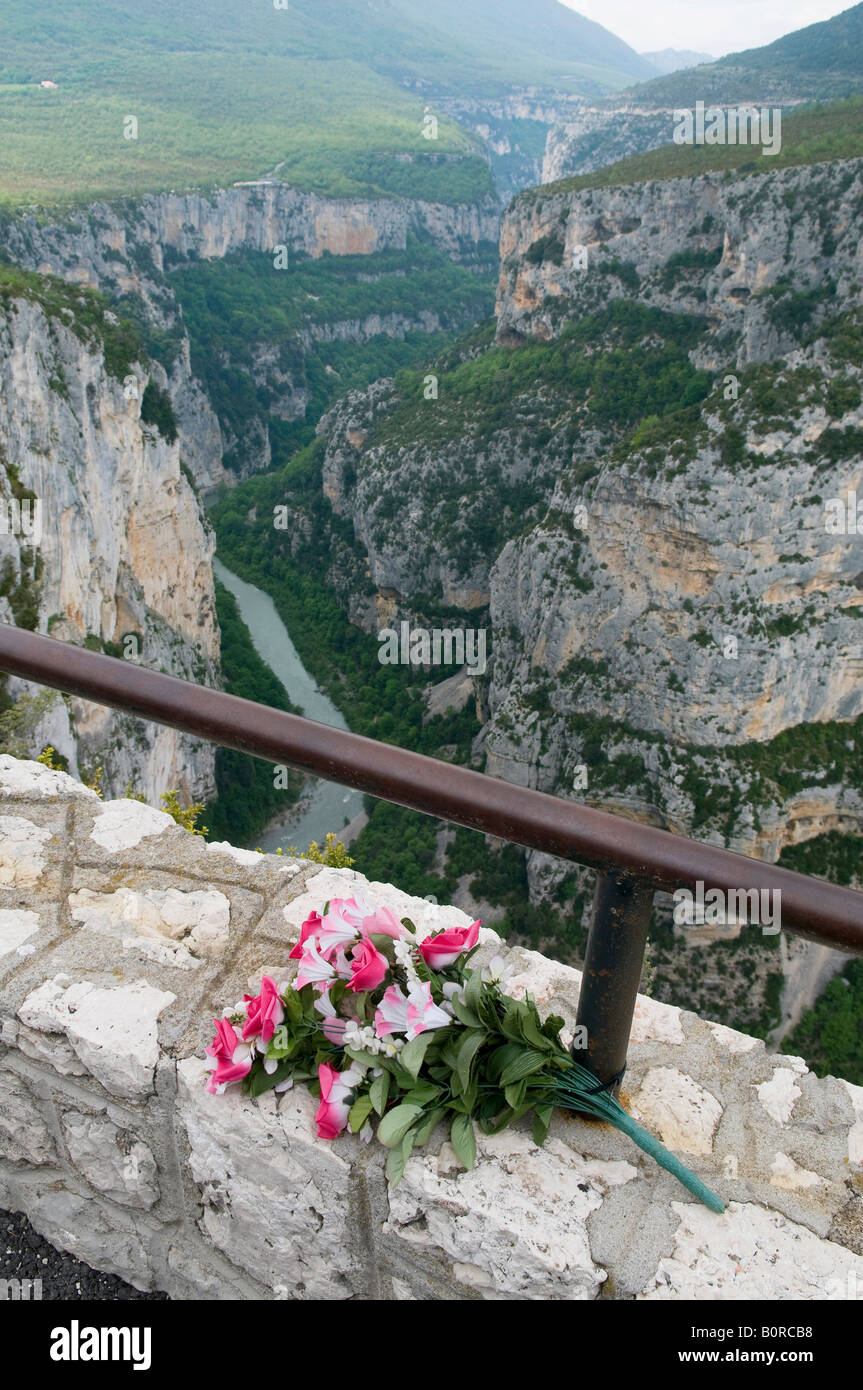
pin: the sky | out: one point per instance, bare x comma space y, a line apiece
707, 26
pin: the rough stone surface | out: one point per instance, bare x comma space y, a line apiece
112, 1147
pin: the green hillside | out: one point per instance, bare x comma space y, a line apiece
327, 91
821, 62
813, 136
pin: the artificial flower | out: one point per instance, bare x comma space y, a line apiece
368, 967
310, 927
391, 1015
313, 968
265, 1012
423, 1013
442, 950
332, 1113
229, 1058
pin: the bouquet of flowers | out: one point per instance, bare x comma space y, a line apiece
404, 1034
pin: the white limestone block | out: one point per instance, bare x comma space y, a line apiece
275, 1197
115, 1163
186, 926
22, 851
751, 1252
24, 1135
23, 777
343, 883
654, 1021
674, 1106
730, 1040
17, 926
855, 1134
113, 1031
790, 1177
122, 825
516, 1226
779, 1094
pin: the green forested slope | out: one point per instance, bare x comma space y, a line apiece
229, 89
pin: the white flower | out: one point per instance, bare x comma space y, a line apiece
324, 1005
497, 972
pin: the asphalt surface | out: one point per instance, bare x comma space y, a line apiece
26, 1255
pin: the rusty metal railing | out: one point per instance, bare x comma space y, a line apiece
633, 860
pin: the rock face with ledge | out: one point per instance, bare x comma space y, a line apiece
111, 1145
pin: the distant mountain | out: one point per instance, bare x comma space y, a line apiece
822, 61
330, 93
667, 60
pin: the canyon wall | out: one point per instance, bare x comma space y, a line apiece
649, 459
115, 506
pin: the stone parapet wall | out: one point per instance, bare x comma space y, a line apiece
122, 935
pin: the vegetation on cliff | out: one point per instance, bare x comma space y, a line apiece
813, 136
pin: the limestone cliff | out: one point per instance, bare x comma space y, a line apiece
646, 463
129, 249
123, 560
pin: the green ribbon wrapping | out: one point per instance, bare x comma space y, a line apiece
576, 1089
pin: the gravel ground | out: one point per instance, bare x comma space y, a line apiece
26, 1255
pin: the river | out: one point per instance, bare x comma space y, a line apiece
324, 806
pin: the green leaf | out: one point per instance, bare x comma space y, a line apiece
398, 1157
464, 1014
385, 944
422, 1094
473, 990
261, 1081
412, 1056
463, 1139
396, 1123
470, 1046
282, 1044
359, 1113
378, 1092
530, 1027
406, 922
501, 1058
542, 1120
402, 1078
425, 1128
514, 1093
293, 1007
365, 1059
511, 1024
525, 1064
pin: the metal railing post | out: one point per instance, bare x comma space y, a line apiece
612, 971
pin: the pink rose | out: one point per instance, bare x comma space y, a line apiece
310, 927
440, 951
229, 1058
332, 1113
385, 922
265, 1012
368, 967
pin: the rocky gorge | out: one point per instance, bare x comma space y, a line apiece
629, 481
624, 478
105, 424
